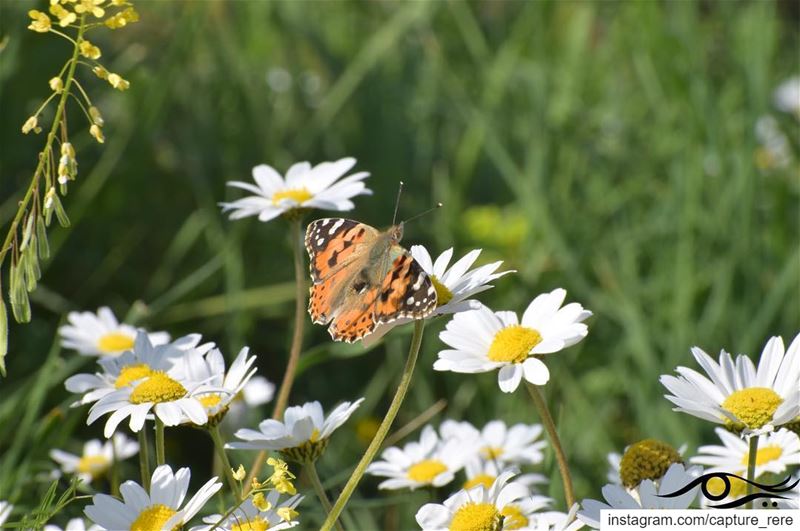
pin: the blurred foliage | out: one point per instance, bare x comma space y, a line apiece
604, 147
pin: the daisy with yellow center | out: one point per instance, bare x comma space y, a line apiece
133, 365
101, 334
775, 454
161, 508
304, 187
248, 517
483, 340
431, 461
495, 508
303, 434
96, 458
647, 495
484, 473
739, 395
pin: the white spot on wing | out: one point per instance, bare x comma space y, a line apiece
336, 226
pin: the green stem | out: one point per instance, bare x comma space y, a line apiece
296, 235
752, 454
219, 445
160, 459
114, 469
23, 205
380, 435
313, 477
144, 459
561, 458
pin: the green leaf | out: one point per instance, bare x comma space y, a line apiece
3, 336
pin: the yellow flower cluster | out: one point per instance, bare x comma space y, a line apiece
281, 478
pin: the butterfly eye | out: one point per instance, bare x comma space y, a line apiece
360, 286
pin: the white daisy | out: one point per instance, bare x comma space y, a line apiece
210, 369
557, 521
101, 334
304, 187
96, 458
431, 461
483, 340
498, 443
454, 286
792, 500
614, 460
247, 517
646, 496
776, 452
75, 524
132, 365
477, 508
168, 394
485, 473
5, 511
303, 434
739, 395
787, 96
161, 509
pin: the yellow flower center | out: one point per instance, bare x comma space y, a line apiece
157, 388
764, 455
95, 465
426, 470
443, 293
513, 344
114, 342
716, 487
131, 373
754, 407
298, 195
210, 401
153, 519
481, 479
252, 524
477, 517
647, 459
514, 519
491, 452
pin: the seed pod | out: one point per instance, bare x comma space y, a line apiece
41, 239
3, 335
26, 233
61, 214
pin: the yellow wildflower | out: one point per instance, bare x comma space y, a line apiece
97, 133
94, 114
122, 19
118, 2
100, 72
56, 85
118, 82
261, 503
287, 514
41, 22
89, 50
65, 17
31, 124
90, 6
130, 15
239, 473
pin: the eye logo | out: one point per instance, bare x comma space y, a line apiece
768, 491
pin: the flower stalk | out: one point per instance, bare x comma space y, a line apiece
311, 473
383, 429
144, 459
296, 235
752, 455
549, 425
160, 453
219, 446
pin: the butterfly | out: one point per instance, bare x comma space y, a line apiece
363, 277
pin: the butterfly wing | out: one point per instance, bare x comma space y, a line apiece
405, 291
336, 247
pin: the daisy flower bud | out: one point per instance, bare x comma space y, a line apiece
97, 133
31, 124
56, 85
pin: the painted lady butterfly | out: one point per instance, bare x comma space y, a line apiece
363, 277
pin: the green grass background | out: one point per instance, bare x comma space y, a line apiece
606, 147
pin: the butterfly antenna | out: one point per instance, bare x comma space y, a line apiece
438, 205
397, 202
